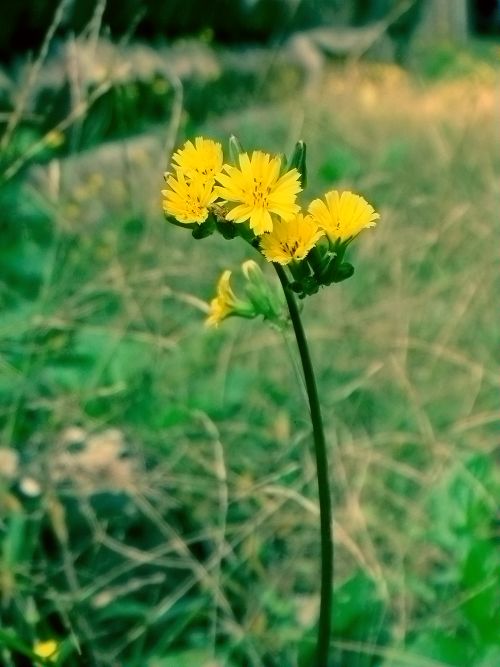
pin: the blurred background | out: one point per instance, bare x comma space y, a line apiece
157, 487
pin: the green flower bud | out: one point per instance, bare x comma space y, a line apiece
298, 160
264, 298
344, 271
235, 149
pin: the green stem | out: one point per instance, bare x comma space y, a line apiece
325, 503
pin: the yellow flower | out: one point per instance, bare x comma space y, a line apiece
344, 215
226, 303
46, 649
54, 139
258, 190
223, 304
188, 201
291, 239
203, 158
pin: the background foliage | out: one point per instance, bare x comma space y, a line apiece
157, 491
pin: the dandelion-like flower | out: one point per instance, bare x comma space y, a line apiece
258, 190
203, 158
290, 239
47, 649
188, 200
224, 303
344, 215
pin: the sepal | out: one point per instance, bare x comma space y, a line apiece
344, 271
204, 229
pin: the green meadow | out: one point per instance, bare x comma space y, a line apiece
158, 502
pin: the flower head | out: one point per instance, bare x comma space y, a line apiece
344, 215
226, 303
47, 649
203, 158
188, 200
290, 239
258, 190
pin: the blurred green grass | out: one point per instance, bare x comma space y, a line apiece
202, 544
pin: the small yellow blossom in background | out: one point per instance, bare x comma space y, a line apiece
344, 215
290, 240
188, 201
54, 139
223, 304
203, 158
258, 190
46, 649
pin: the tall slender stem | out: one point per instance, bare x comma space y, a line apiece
325, 503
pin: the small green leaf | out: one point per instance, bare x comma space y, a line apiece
447, 648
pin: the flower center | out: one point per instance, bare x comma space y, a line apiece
259, 194
196, 205
290, 248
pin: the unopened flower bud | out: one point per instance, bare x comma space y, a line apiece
263, 297
298, 160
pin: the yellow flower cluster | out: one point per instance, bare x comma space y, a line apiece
251, 192
341, 219
261, 192
191, 184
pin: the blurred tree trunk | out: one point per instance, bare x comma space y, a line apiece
440, 19
445, 19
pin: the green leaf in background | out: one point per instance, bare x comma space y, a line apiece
359, 616
395, 154
14, 539
460, 506
481, 580
193, 658
448, 649
358, 605
490, 657
339, 163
